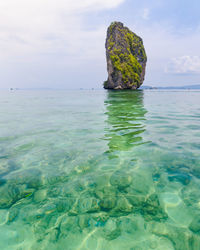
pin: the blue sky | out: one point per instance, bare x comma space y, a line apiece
60, 44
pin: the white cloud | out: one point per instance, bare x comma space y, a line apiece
184, 65
48, 26
145, 13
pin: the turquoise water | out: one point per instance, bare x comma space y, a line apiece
100, 170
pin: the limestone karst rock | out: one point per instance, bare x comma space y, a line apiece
126, 58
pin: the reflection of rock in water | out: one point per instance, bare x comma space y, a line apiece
126, 113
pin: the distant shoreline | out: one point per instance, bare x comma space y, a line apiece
186, 87
197, 86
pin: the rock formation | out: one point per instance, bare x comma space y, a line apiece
126, 58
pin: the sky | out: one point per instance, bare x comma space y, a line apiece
61, 43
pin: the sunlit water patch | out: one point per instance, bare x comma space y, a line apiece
100, 170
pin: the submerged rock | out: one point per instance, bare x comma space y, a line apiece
85, 205
104, 192
195, 225
108, 203
123, 205
32, 177
120, 179
107, 196
122, 208
83, 221
181, 238
100, 218
196, 172
11, 193
111, 230
13, 213
126, 58
183, 178
69, 224
191, 196
40, 195
88, 205
64, 204
152, 210
6, 167
140, 189
54, 235
131, 224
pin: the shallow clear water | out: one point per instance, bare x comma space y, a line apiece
100, 170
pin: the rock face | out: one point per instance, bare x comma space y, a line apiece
126, 58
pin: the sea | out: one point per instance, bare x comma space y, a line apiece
100, 170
